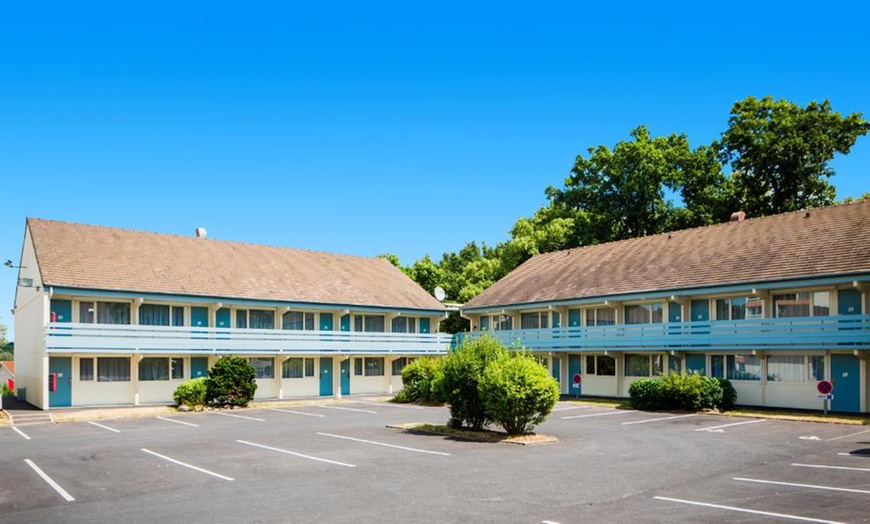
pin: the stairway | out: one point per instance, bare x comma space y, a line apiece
25, 418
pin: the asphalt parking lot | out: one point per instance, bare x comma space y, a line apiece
340, 463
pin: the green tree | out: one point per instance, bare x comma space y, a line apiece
517, 392
780, 152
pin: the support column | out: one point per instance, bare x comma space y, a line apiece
388, 371
279, 382
134, 376
336, 375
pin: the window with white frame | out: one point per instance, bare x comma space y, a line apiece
86, 369
403, 325
369, 323
817, 367
113, 369
261, 319
496, 323
264, 366
743, 367
298, 320
643, 365
739, 308
802, 304
601, 316
600, 365
161, 315
536, 320
104, 312
644, 313
297, 367
368, 366
399, 364
786, 368
154, 368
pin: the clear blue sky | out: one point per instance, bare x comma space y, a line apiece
370, 127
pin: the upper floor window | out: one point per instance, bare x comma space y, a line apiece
298, 320
104, 312
496, 323
644, 313
803, 304
602, 316
536, 320
739, 308
161, 315
255, 319
403, 325
368, 323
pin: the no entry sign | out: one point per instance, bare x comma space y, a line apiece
825, 387
577, 378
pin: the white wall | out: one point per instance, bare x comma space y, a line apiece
31, 315
300, 387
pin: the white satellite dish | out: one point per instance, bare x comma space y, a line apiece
440, 294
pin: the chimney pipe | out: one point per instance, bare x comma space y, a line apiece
738, 216
201, 232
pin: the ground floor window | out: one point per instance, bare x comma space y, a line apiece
786, 369
297, 367
113, 369
817, 367
601, 365
399, 364
368, 366
86, 369
152, 368
643, 365
743, 367
265, 367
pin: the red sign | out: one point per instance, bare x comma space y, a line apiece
825, 387
577, 378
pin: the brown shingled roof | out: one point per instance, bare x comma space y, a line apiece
832, 240
8, 364
95, 257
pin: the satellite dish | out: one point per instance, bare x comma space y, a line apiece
440, 294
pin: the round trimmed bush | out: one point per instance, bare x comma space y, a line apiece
418, 379
517, 392
232, 381
646, 394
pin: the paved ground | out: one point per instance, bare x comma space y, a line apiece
340, 463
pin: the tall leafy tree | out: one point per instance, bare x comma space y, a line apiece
780, 152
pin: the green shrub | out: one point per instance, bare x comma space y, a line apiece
462, 371
191, 393
647, 394
418, 379
7, 391
232, 381
517, 392
729, 395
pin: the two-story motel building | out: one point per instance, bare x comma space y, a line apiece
106, 316
774, 304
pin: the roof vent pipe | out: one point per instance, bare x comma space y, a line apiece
201, 232
738, 216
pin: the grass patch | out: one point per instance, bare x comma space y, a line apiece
473, 435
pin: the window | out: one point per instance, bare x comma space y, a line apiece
113, 369
106, 312
153, 315
744, 367
644, 313
785, 369
369, 366
298, 320
403, 325
154, 368
297, 367
643, 365
603, 316
804, 304
261, 319
536, 320
542, 361
739, 308
265, 367
606, 365
399, 364
817, 367
177, 367
717, 366
368, 323
242, 319
86, 369
590, 365
502, 322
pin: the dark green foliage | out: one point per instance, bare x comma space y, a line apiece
729, 394
646, 394
192, 393
458, 384
231, 382
687, 391
418, 379
517, 392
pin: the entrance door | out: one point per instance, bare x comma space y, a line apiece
574, 368
557, 371
345, 377
61, 310
199, 317
198, 367
700, 311
61, 368
325, 376
846, 376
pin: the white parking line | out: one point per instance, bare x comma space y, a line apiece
191, 424
279, 450
23, 434
830, 467
383, 444
50, 482
730, 425
796, 485
860, 455
238, 416
104, 427
601, 414
297, 412
849, 435
569, 408
388, 405
752, 511
657, 419
186, 465
350, 409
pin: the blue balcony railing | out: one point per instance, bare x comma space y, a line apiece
835, 332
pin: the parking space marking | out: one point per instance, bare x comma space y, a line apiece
853, 454
569, 408
384, 444
388, 405
238, 416
658, 419
822, 466
186, 465
350, 409
191, 424
601, 414
809, 486
849, 435
63, 493
298, 412
746, 510
23, 434
104, 427
295, 454
723, 426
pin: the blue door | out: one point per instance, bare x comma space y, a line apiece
846, 376
696, 363
344, 322
199, 317
325, 376
556, 320
198, 367
60, 370
574, 368
326, 322
424, 325
675, 313
557, 371
61, 310
849, 302
574, 318
700, 311
222, 317
345, 376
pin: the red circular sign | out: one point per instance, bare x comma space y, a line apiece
577, 378
825, 387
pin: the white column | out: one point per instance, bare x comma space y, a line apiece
134, 377
279, 382
336, 374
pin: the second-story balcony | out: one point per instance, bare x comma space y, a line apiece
848, 332
114, 338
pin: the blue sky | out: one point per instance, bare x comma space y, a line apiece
370, 127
